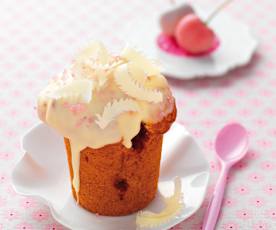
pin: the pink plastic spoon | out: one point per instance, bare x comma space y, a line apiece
231, 146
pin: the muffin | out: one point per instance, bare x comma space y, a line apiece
112, 112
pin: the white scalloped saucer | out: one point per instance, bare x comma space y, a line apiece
237, 46
43, 172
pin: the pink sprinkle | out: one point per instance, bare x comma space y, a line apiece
75, 108
90, 120
81, 121
117, 58
65, 104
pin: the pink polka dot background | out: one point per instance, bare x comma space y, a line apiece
38, 38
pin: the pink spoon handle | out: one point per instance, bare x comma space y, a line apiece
212, 213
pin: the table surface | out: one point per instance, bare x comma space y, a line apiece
38, 38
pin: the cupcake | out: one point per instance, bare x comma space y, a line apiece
112, 112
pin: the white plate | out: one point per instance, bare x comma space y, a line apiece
43, 172
237, 45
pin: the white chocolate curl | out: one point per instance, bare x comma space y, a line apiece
115, 108
173, 206
134, 89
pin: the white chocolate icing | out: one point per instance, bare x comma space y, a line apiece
102, 99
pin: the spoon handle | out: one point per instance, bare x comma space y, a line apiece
212, 213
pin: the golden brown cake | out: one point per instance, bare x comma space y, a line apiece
112, 112
115, 180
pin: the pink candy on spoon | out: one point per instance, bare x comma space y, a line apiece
193, 34
231, 146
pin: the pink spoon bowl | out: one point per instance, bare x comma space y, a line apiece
232, 143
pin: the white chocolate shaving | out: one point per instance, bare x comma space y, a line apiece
137, 73
174, 204
100, 71
95, 63
115, 108
133, 88
98, 75
80, 89
93, 51
133, 55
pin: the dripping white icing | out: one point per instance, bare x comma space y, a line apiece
75, 152
102, 99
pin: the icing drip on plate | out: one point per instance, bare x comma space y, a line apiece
173, 206
102, 99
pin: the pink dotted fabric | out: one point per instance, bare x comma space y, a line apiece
38, 38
